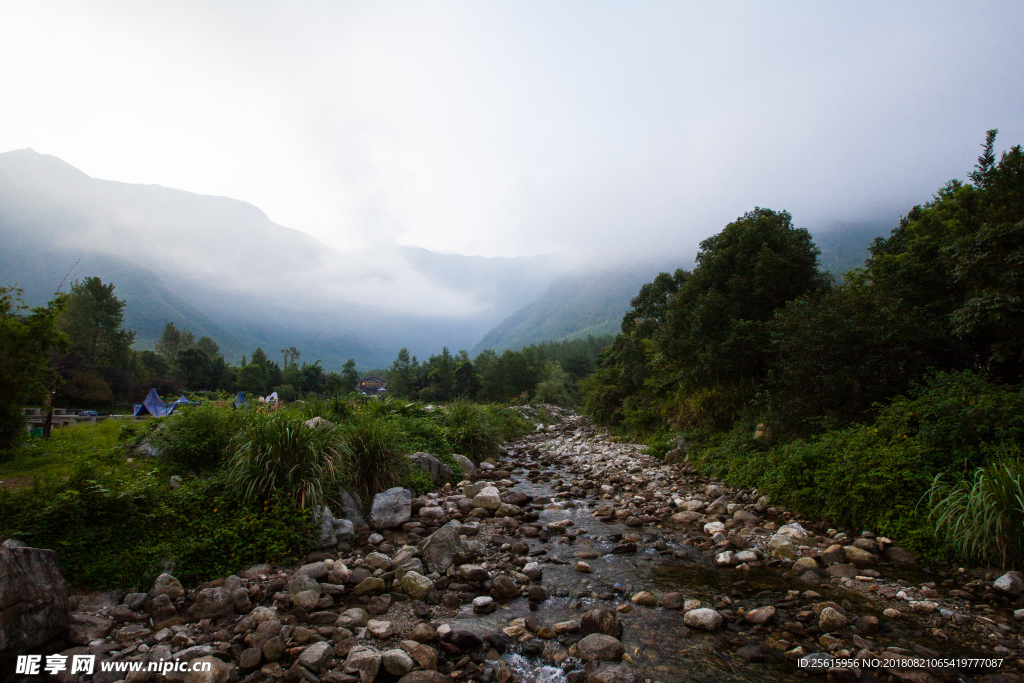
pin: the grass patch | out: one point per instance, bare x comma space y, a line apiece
67, 449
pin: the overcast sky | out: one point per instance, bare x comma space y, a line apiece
515, 128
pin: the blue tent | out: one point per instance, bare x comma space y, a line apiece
153, 405
185, 402
240, 399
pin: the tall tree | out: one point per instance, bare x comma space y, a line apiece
26, 342
349, 376
92, 319
173, 341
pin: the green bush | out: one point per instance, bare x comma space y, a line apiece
124, 528
198, 437
982, 516
873, 476
375, 454
277, 452
470, 431
418, 481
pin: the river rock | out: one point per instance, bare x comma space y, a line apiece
364, 661
33, 598
219, 672
166, 584
488, 499
213, 603
416, 586
424, 677
844, 571
782, 547
353, 507
85, 628
1010, 583
858, 556
830, 620
438, 471
391, 508
468, 468
760, 615
440, 549
603, 621
371, 585
601, 647
314, 570
316, 656
704, 619
834, 554
396, 662
899, 555
504, 588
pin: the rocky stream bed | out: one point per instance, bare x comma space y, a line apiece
570, 558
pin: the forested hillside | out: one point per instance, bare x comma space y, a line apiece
900, 383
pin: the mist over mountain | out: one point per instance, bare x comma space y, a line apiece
221, 267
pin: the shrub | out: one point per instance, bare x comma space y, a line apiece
982, 516
122, 529
469, 430
197, 437
873, 476
375, 454
278, 453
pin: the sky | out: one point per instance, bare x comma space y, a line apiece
608, 129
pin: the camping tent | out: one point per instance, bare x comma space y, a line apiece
153, 405
185, 402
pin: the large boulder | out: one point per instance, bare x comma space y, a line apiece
33, 598
213, 603
353, 506
440, 549
603, 621
416, 586
333, 529
489, 498
468, 468
438, 471
1011, 583
166, 584
601, 647
391, 508
363, 661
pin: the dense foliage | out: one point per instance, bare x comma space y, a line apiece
838, 380
26, 342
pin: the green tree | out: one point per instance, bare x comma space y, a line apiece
26, 342
402, 374
196, 365
208, 346
92, 319
173, 341
349, 376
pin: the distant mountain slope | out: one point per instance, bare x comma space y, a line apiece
150, 304
576, 305
572, 306
222, 267
845, 247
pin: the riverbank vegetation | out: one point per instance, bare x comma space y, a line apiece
213, 489
879, 401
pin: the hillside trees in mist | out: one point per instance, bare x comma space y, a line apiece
757, 327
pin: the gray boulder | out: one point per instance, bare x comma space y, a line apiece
601, 647
85, 628
391, 508
364, 661
468, 468
166, 584
1011, 583
33, 598
440, 549
704, 619
334, 529
353, 506
438, 471
213, 603
316, 656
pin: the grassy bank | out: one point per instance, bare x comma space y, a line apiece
250, 480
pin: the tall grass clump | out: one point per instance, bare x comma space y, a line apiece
470, 431
197, 437
276, 452
982, 516
375, 453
